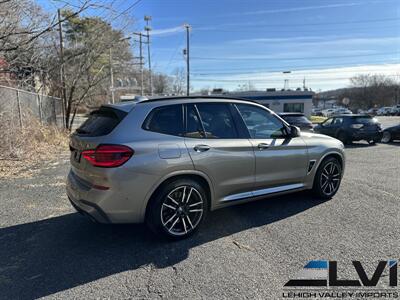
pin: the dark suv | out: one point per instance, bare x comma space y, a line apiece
297, 119
348, 128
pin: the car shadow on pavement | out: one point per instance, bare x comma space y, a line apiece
360, 145
56, 254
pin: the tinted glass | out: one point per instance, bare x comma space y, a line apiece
338, 121
193, 127
166, 120
296, 119
101, 122
364, 120
327, 122
293, 107
260, 123
217, 120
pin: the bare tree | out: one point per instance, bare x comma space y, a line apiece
368, 90
178, 81
91, 46
161, 84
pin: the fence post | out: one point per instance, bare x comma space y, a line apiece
53, 100
40, 108
19, 110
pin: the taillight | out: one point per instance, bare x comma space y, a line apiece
108, 156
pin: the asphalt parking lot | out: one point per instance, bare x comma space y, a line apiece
251, 250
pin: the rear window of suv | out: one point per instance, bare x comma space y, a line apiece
364, 120
101, 122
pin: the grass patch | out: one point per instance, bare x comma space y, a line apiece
23, 148
317, 119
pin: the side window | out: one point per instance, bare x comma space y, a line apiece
193, 124
293, 107
338, 121
260, 123
165, 119
217, 120
327, 122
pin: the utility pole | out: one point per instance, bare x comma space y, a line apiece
187, 26
111, 78
304, 83
62, 71
141, 64
140, 61
147, 28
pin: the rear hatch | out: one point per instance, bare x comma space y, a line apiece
365, 123
93, 132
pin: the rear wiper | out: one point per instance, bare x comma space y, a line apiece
83, 131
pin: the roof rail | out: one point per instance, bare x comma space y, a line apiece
194, 97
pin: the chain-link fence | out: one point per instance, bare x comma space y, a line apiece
17, 106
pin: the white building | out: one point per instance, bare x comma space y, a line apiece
279, 101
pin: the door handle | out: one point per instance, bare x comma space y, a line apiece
201, 148
262, 146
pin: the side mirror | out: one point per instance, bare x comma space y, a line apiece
294, 131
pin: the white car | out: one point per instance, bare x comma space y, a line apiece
384, 111
328, 112
342, 111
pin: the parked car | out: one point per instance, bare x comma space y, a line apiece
168, 162
328, 112
316, 112
384, 111
391, 133
395, 110
341, 111
372, 111
348, 128
297, 119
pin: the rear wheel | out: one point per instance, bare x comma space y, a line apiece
386, 137
327, 179
178, 209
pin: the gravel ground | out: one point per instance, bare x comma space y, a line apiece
251, 250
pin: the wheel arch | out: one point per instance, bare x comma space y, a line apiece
339, 156
199, 177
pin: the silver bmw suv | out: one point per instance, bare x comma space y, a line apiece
169, 161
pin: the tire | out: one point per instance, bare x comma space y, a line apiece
342, 136
177, 210
386, 137
327, 181
371, 142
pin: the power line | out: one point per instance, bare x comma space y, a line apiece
126, 10
234, 71
291, 58
300, 79
273, 30
302, 24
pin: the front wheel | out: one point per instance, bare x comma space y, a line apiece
178, 209
327, 179
342, 136
386, 137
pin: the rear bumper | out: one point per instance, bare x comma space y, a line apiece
119, 204
374, 135
90, 210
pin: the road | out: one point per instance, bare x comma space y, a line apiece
251, 250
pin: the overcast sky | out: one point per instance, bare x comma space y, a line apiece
237, 41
